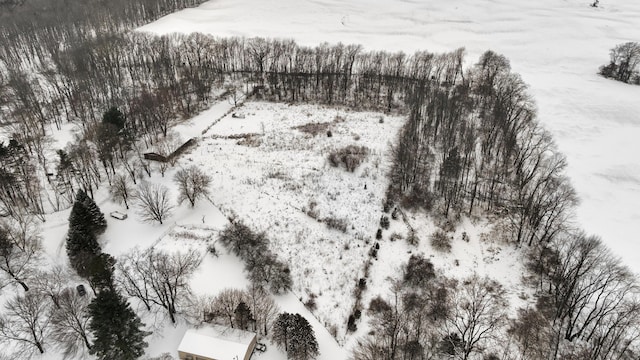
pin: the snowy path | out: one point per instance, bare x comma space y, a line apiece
199, 124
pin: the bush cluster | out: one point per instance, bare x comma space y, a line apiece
624, 64
350, 156
261, 264
335, 223
441, 241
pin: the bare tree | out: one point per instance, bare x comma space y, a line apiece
52, 282
159, 278
625, 59
192, 183
121, 190
264, 309
224, 305
478, 312
153, 202
134, 276
19, 251
70, 323
589, 289
26, 323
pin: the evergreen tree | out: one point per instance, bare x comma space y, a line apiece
114, 117
281, 330
115, 328
94, 216
302, 344
294, 334
243, 315
82, 247
85, 222
98, 269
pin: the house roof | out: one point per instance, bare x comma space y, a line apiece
217, 342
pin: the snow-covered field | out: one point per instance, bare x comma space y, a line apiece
557, 46
278, 180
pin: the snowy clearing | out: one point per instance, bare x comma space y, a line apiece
557, 47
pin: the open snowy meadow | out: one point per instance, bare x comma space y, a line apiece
557, 47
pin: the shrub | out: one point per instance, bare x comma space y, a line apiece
311, 303
419, 198
313, 128
379, 305
412, 238
379, 234
418, 271
384, 222
350, 156
624, 63
395, 236
351, 324
388, 202
395, 214
441, 241
334, 223
362, 283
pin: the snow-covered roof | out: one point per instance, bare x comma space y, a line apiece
217, 342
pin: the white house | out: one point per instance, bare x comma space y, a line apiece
213, 342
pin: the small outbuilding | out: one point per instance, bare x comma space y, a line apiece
213, 342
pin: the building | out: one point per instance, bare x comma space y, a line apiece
213, 342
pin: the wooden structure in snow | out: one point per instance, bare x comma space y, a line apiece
177, 152
214, 342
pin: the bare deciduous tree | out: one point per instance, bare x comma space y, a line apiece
121, 190
52, 282
70, 323
19, 251
264, 309
478, 313
224, 305
159, 278
26, 323
192, 183
153, 202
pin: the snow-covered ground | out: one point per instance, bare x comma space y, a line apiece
277, 179
557, 46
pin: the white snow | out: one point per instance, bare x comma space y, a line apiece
557, 47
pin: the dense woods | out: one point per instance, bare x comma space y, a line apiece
471, 146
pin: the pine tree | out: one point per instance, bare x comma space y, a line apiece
294, 334
82, 246
85, 222
281, 330
97, 221
99, 271
303, 344
243, 315
80, 217
115, 328
114, 117
85, 213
